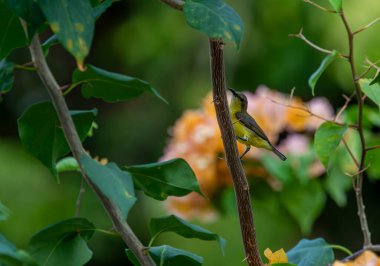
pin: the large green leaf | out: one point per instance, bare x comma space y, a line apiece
337, 184
109, 86
100, 8
214, 18
73, 23
41, 133
29, 11
327, 139
114, 183
10, 255
372, 91
317, 74
314, 252
4, 212
183, 228
304, 202
63, 243
11, 32
336, 4
163, 179
166, 255
6, 76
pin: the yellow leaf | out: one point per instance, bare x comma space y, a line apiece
277, 257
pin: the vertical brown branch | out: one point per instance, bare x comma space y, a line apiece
76, 148
234, 164
359, 178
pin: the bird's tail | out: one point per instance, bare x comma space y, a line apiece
278, 153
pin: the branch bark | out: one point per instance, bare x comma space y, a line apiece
359, 178
76, 148
234, 164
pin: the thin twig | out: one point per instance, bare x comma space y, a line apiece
350, 152
372, 148
310, 113
27, 68
240, 182
76, 148
359, 180
367, 26
345, 105
319, 7
375, 248
176, 4
316, 47
82, 190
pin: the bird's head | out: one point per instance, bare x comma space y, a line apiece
238, 98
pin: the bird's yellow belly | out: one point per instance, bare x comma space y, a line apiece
248, 137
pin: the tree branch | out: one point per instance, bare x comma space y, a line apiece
359, 177
319, 6
76, 148
367, 26
234, 164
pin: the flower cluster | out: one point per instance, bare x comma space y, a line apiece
196, 138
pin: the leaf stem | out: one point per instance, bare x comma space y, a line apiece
341, 248
79, 198
234, 164
76, 148
359, 178
27, 68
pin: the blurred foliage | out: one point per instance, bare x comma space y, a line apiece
152, 42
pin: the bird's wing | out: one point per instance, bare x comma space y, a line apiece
250, 123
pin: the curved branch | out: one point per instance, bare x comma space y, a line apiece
234, 164
359, 178
76, 148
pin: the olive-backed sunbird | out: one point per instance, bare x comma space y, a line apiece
246, 129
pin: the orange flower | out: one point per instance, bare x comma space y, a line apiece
197, 139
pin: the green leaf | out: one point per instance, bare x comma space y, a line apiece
174, 256
214, 18
325, 63
99, 9
376, 79
314, 252
63, 243
41, 133
6, 76
67, 164
11, 32
30, 12
4, 212
10, 255
115, 184
109, 86
337, 184
51, 41
327, 139
166, 256
304, 202
73, 23
163, 179
183, 228
372, 91
336, 4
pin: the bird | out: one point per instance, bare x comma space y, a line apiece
247, 131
